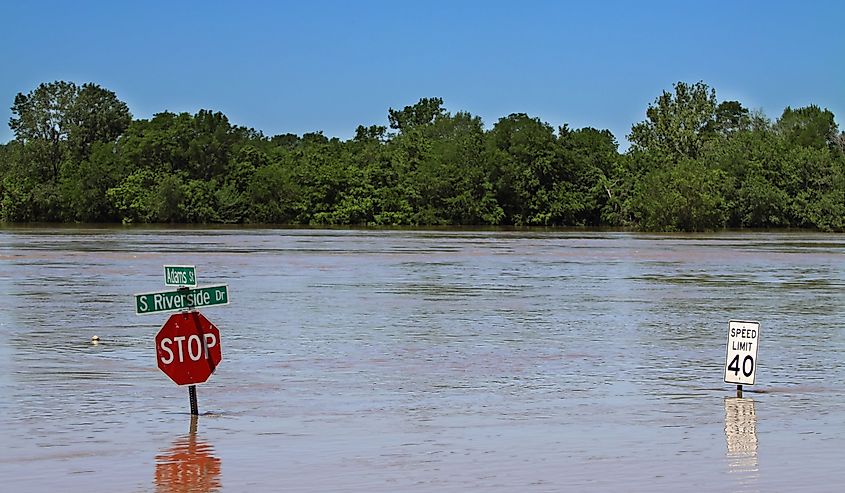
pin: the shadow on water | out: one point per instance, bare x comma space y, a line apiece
189, 465
741, 436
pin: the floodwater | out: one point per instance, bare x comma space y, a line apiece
443, 361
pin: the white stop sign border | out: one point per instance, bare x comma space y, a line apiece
741, 352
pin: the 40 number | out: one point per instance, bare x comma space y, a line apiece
747, 365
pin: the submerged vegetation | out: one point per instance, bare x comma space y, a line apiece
695, 163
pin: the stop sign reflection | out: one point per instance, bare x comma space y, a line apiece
188, 348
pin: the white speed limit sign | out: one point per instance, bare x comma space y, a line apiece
741, 359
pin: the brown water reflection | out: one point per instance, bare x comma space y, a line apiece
741, 435
188, 466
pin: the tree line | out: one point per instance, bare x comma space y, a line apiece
695, 163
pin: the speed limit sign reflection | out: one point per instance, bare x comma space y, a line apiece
741, 359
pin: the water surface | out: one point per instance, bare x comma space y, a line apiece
385, 361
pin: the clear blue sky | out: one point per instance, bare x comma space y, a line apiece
306, 66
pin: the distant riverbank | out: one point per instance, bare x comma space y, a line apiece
695, 164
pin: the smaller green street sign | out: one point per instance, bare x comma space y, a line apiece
183, 299
180, 275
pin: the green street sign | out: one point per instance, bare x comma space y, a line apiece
183, 299
180, 275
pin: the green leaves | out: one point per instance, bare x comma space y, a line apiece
809, 126
61, 121
133, 199
684, 197
678, 124
695, 163
420, 114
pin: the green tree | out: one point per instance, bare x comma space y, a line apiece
451, 179
232, 199
61, 121
168, 199
809, 126
134, 198
752, 162
84, 187
96, 115
685, 197
522, 151
200, 202
200, 145
274, 195
678, 124
366, 160
731, 118
320, 171
693, 165
422, 113
582, 189
41, 119
815, 180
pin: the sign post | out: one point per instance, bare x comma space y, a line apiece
188, 344
741, 354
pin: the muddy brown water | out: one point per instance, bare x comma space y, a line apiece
385, 361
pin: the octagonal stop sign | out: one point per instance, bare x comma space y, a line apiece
188, 348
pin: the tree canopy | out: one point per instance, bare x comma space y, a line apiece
695, 163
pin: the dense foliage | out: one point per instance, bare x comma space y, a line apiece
694, 164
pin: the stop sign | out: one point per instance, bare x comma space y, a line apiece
188, 348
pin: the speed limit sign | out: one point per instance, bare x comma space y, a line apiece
741, 359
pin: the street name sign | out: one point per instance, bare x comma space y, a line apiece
741, 356
180, 275
183, 299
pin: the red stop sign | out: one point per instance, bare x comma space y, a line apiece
188, 348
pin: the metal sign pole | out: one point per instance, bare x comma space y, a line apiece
203, 345
192, 394
192, 389
739, 390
